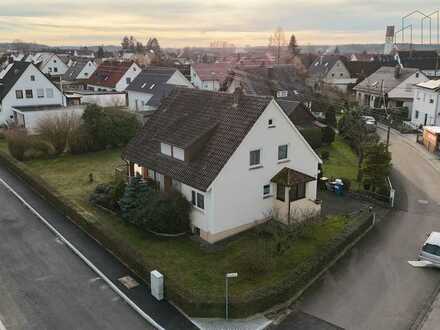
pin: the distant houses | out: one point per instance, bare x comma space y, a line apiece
81, 69
113, 76
147, 90
209, 76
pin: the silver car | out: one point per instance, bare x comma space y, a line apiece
431, 249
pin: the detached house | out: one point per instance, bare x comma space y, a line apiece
396, 83
426, 107
81, 69
330, 70
24, 86
113, 76
148, 89
237, 158
209, 76
49, 63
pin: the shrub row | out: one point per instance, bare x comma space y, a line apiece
260, 300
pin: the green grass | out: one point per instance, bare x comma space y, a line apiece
342, 161
184, 263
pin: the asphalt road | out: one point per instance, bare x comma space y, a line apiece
43, 285
374, 287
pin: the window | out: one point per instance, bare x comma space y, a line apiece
40, 93
417, 75
417, 114
281, 192
29, 94
55, 69
431, 100
19, 94
32, 78
178, 153
165, 149
49, 93
255, 158
128, 80
270, 123
333, 74
341, 74
297, 192
282, 152
282, 94
266, 190
198, 200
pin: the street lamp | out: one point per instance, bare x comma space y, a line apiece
228, 276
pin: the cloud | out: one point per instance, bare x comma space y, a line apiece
197, 22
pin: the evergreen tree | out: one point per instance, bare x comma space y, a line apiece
293, 46
133, 199
125, 43
377, 165
330, 116
100, 52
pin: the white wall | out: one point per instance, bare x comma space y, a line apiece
87, 71
104, 100
422, 107
238, 190
140, 99
131, 73
180, 80
24, 83
211, 85
32, 118
55, 66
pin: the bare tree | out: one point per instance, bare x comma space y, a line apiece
277, 41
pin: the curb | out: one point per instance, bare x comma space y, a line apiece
82, 257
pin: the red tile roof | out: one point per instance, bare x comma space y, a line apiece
214, 71
109, 73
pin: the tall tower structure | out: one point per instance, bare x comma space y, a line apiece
389, 40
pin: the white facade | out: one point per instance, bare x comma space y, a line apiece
426, 108
49, 63
235, 201
137, 101
106, 99
44, 92
87, 71
210, 85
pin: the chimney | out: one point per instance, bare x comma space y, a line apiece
397, 71
238, 93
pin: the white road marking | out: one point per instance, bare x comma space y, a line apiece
2, 326
59, 241
92, 280
420, 263
423, 201
83, 258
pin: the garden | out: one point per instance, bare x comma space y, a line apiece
273, 261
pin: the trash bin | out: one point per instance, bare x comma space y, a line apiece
156, 281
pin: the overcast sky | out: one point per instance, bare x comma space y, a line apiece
195, 22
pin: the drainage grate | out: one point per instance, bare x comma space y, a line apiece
129, 282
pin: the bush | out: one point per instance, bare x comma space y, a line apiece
325, 155
313, 136
328, 135
56, 130
38, 149
78, 141
108, 195
18, 143
151, 210
109, 127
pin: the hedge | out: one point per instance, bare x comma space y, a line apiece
260, 300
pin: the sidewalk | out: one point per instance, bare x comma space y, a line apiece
166, 315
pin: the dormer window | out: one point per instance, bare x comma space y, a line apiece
282, 93
152, 86
143, 85
166, 149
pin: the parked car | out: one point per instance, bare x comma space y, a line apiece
370, 123
430, 250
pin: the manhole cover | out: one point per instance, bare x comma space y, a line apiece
423, 201
128, 282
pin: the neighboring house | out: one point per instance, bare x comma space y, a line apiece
329, 70
362, 57
84, 53
102, 99
427, 61
359, 70
395, 83
279, 81
113, 76
426, 107
300, 115
237, 158
81, 69
148, 89
22, 84
209, 76
49, 63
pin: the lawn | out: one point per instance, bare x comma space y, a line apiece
342, 161
189, 268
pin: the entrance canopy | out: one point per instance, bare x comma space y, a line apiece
290, 178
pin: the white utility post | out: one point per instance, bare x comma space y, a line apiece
228, 276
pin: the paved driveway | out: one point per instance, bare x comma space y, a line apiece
374, 287
43, 285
